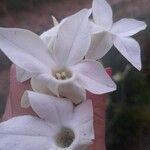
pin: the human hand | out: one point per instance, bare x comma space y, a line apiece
13, 108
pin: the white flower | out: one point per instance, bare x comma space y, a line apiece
61, 71
48, 37
60, 126
118, 34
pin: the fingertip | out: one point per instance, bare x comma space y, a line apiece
99, 108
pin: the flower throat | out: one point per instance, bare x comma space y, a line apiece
62, 74
65, 137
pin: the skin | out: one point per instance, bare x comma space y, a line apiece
13, 108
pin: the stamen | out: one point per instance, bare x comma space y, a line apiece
63, 75
58, 76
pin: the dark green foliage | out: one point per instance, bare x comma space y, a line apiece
125, 129
128, 113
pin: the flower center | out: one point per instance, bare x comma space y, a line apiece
65, 137
62, 74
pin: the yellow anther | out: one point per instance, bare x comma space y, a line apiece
63, 75
58, 76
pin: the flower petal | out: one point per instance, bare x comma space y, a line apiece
83, 144
102, 13
70, 89
128, 27
55, 110
21, 142
73, 39
101, 43
25, 125
25, 132
73, 91
25, 49
86, 130
82, 124
83, 113
22, 75
95, 28
49, 36
45, 83
94, 78
130, 49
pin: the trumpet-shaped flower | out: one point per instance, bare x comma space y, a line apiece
63, 70
118, 34
48, 37
59, 126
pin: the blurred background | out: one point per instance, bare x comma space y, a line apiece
128, 113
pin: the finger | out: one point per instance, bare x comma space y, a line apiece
99, 108
13, 107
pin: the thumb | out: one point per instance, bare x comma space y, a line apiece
99, 108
